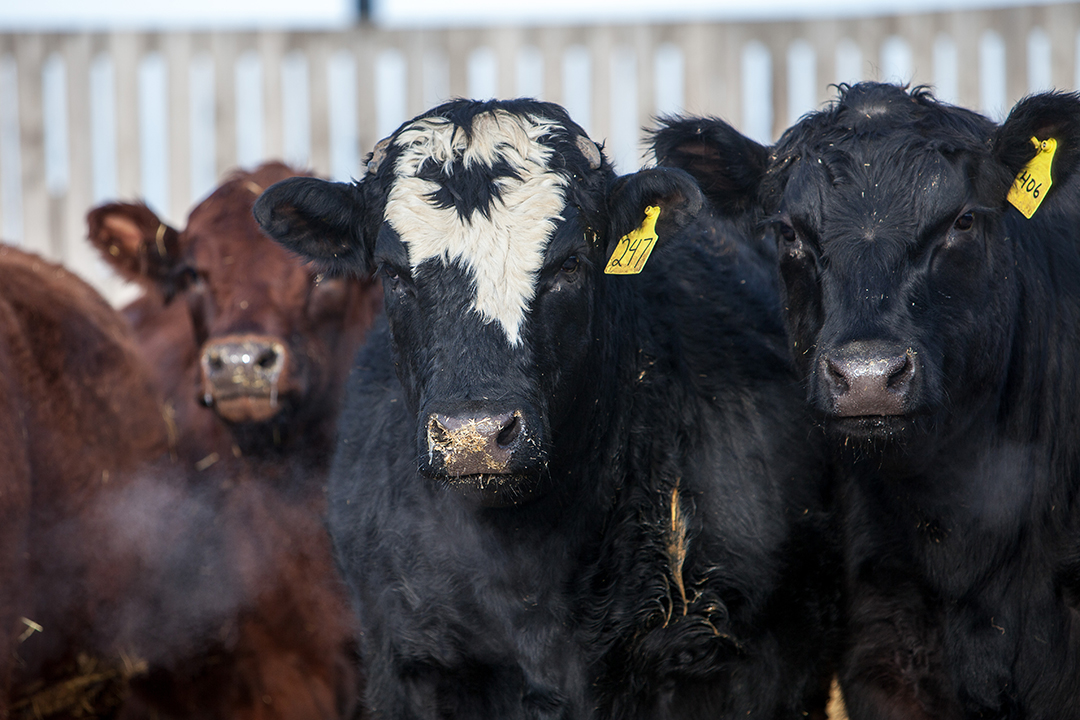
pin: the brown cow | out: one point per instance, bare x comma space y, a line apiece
252, 350
252, 346
78, 411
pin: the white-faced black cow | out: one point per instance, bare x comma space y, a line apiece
938, 330
560, 493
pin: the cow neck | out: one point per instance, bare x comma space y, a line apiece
1042, 370
297, 471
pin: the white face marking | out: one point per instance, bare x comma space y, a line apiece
505, 250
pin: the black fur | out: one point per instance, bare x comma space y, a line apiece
728, 165
562, 595
961, 521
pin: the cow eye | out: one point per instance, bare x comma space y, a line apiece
570, 265
390, 273
188, 275
965, 221
395, 280
787, 233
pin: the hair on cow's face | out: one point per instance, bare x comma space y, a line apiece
482, 193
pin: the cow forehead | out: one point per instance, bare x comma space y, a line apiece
867, 188
508, 203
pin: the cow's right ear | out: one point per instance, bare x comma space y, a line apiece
137, 243
319, 220
671, 190
727, 165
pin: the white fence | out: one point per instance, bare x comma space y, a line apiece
86, 118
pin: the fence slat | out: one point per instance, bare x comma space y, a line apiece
75, 251
178, 60
30, 56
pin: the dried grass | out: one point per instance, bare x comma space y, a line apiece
93, 688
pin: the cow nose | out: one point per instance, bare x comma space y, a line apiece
864, 380
475, 444
241, 375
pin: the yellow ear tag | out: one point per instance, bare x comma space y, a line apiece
635, 246
1033, 182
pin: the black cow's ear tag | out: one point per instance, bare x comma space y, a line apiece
635, 247
1033, 182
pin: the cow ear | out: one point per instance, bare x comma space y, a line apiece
138, 244
319, 220
1044, 116
670, 189
727, 165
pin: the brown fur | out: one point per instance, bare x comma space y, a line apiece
78, 409
239, 613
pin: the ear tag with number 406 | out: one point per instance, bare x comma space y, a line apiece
635, 246
1033, 182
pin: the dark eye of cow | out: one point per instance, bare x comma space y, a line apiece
570, 265
965, 221
787, 233
389, 273
187, 276
394, 279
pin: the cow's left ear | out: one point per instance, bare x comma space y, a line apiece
672, 190
1051, 115
319, 220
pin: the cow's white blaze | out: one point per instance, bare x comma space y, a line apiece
504, 250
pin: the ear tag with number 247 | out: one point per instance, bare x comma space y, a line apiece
635, 246
1033, 182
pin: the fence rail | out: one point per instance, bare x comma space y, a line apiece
90, 117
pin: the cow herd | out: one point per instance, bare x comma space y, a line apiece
494, 432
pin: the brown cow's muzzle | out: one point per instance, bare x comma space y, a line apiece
243, 376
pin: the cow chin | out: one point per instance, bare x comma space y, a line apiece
247, 409
496, 490
871, 431
903, 442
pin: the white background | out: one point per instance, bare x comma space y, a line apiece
148, 14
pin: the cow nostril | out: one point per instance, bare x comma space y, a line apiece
836, 376
510, 431
267, 358
437, 433
902, 375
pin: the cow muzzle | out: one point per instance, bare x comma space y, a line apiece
244, 376
491, 456
866, 379
474, 444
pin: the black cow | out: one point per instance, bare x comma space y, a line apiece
937, 328
559, 493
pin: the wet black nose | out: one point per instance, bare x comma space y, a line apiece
863, 379
475, 444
